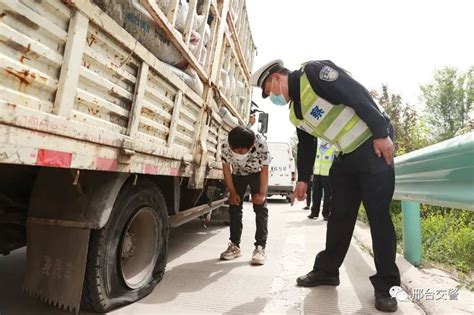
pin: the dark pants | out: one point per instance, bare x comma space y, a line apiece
308, 192
355, 177
320, 184
261, 211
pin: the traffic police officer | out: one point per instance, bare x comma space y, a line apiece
326, 102
322, 165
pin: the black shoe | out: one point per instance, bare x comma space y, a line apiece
306, 208
312, 216
384, 302
315, 278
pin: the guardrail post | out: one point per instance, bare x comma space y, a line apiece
411, 232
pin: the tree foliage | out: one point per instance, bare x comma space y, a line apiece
449, 101
410, 130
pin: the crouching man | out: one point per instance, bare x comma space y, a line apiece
245, 157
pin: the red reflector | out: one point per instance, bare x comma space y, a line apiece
104, 164
53, 158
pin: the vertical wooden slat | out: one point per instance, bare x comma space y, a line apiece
172, 11
240, 21
219, 139
211, 53
202, 27
220, 42
189, 21
69, 76
138, 96
200, 151
178, 101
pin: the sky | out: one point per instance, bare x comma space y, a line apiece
400, 43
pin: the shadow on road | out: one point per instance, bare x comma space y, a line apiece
322, 298
195, 275
254, 307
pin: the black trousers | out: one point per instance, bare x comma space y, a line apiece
320, 184
355, 177
308, 192
261, 211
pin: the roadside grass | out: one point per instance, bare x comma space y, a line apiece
447, 239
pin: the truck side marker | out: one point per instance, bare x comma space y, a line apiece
53, 158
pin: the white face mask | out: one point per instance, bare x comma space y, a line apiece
240, 157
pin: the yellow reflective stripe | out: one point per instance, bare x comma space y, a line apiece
358, 141
307, 94
322, 168
330, 117
350, 124
293, 117
343, 118
323, 164
330, 126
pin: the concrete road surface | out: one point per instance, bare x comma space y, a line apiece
197, 282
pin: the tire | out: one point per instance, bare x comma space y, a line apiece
138, 222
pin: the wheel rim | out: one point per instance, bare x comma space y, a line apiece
139, 252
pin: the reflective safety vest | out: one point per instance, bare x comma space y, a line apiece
337, 124
323, 161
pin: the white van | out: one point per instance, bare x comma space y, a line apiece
282, 170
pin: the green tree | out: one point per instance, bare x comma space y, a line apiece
410, 131
449, 101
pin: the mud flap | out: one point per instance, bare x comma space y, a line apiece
56, 262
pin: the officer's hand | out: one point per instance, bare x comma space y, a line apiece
300, 192
385, 147
258, 199
234, 199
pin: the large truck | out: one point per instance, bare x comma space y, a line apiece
109, 136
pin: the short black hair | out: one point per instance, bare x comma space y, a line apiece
241, 137
282, 70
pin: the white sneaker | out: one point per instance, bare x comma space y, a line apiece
232, 252
258, 256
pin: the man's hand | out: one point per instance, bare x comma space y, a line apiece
385, 147
258, 199
234, 199
300, 192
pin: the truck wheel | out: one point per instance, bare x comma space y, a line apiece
127, 257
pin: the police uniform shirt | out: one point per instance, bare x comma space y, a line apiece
336, 86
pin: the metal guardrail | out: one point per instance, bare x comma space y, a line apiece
441, 175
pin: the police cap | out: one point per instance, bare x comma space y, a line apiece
261, 74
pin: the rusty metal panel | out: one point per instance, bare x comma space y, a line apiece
56, 262
107, 81
157, 109
213, 140
31, 48
188, 124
